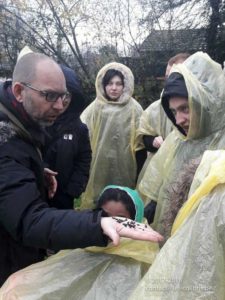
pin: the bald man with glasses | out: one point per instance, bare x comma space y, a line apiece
33, 100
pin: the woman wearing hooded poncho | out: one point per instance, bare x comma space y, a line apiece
112, 119
95, 274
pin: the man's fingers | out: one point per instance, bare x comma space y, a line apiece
116, 227
134, 230
138, 234
54, 184
115, 238
109, 228
157, 142
51, 181
50, 172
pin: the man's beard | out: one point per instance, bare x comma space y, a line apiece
43, 123
29, 108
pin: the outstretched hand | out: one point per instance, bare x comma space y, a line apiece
116, 227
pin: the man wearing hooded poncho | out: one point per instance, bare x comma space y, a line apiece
112, 119
154, 125
154, 128
200, 81
191, 264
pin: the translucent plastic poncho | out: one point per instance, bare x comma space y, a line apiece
154, 121
191, 265
112, 127
82, 275
205, 83
96, 273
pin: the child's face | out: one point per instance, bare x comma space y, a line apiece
115, 208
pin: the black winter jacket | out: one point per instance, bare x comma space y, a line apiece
68, 151
69, 154
148, 142
27, 224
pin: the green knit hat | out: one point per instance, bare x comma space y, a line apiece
133, 194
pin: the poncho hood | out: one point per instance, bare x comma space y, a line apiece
112, 128
128, 84
204, 80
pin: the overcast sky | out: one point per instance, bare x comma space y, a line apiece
188, 14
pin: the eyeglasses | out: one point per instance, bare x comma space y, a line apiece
51, 96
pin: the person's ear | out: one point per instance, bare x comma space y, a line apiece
18, 91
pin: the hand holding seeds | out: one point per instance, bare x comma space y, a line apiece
116, 227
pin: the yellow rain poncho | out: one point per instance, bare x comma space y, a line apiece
96, 273
112, 127
205, 84
82, 275
154, 121
191, 265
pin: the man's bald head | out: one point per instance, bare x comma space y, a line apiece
26, 66
35, 77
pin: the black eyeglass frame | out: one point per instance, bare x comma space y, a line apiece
51, 96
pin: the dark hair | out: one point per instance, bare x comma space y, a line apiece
109, 75
174, 86
117, 195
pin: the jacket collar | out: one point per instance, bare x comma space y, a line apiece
16, 108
